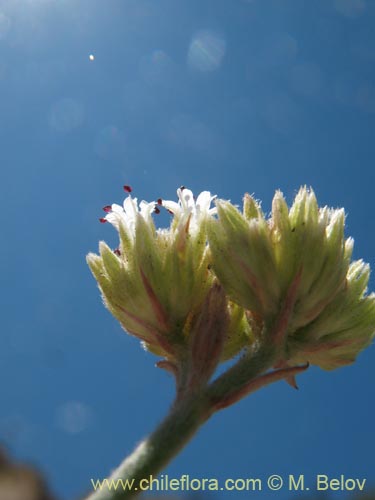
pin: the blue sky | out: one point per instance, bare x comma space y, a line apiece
231, 97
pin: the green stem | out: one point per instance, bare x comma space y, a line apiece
156, 451
248, 368
185, 418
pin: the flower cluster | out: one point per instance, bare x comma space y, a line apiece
293, 273
218, 281
159, 285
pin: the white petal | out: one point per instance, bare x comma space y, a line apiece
186, 199
117, 209
172, 206
146, 208
203, 201
114, 218
130, 207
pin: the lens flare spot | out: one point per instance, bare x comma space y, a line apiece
66, 115
206, 51
73, 417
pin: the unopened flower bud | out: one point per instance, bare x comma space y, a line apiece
293, 273
251, 209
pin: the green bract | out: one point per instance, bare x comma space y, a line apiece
159, 286
293, 271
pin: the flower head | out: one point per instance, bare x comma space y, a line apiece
158, 283
292, 273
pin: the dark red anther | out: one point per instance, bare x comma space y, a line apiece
182, 188
159, 201
117, 251
170, 211
157, 210
107, 208
128, 189
102, 220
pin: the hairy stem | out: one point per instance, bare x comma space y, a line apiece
185, 418
156, 451
191, 409
247, 369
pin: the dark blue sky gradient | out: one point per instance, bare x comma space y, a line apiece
226, 96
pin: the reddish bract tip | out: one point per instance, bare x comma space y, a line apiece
107, 208
117, 251
157, 210
159, 201
102, 220
128, 189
